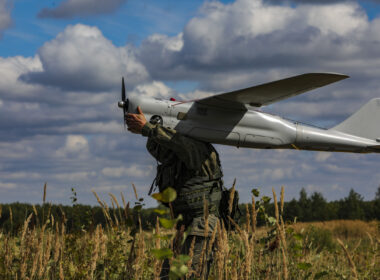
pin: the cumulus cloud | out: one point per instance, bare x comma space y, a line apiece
75, 145
79, 8
235, 45
81, 58
5, 15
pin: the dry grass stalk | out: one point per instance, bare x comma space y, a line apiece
114, 213
61, 274
126, 206
350, 261
11, 216
47, 254
232, 196
57, 244
234, 274
118, 206
253, 215
282, 200
281, 233
95, 253
98, 199
44, 197
220, 252
41, 250
24, 249
135, 191
248, 218
212, 240
157, 263
139, 260
191, 255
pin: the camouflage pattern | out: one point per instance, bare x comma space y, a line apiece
192, 168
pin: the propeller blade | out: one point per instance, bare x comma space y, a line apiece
122, 90
124, 102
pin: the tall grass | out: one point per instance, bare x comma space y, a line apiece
122, 250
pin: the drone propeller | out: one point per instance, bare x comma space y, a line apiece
124, 102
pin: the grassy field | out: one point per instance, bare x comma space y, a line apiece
122, 250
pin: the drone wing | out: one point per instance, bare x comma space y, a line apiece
268, 93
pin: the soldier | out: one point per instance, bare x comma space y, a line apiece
193, 169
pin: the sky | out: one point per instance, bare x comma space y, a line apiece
61, 63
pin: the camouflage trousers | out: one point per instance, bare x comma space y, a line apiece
200, 265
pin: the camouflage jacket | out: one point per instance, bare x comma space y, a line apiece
190, 166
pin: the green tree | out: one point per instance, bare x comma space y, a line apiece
319, 207
304, 204
352, 207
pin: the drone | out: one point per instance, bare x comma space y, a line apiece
234, 118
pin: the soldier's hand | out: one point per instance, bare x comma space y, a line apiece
136, 122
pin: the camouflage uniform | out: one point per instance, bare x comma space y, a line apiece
193, 169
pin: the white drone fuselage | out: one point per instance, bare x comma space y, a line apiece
255, 129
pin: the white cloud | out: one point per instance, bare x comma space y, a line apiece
10, 70
75, 145
338, 18
153, 89
75, 176
20, 175
81, 58
77, 8
134, 170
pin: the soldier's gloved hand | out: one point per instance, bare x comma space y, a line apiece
136, 122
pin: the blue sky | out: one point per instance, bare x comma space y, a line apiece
61, 63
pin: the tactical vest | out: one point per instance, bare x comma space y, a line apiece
191, 188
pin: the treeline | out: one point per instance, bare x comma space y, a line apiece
79, 218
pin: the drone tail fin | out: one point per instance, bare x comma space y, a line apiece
364, 123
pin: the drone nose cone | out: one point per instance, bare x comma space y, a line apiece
121, 104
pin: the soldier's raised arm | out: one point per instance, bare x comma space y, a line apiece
192, 152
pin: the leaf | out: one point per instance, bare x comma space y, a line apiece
157, 196
178, 271
168, 195
161, 211
272, 220
168, 224
304, 266
161, 254
255, 192
137, 207
266, 199
320, 274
